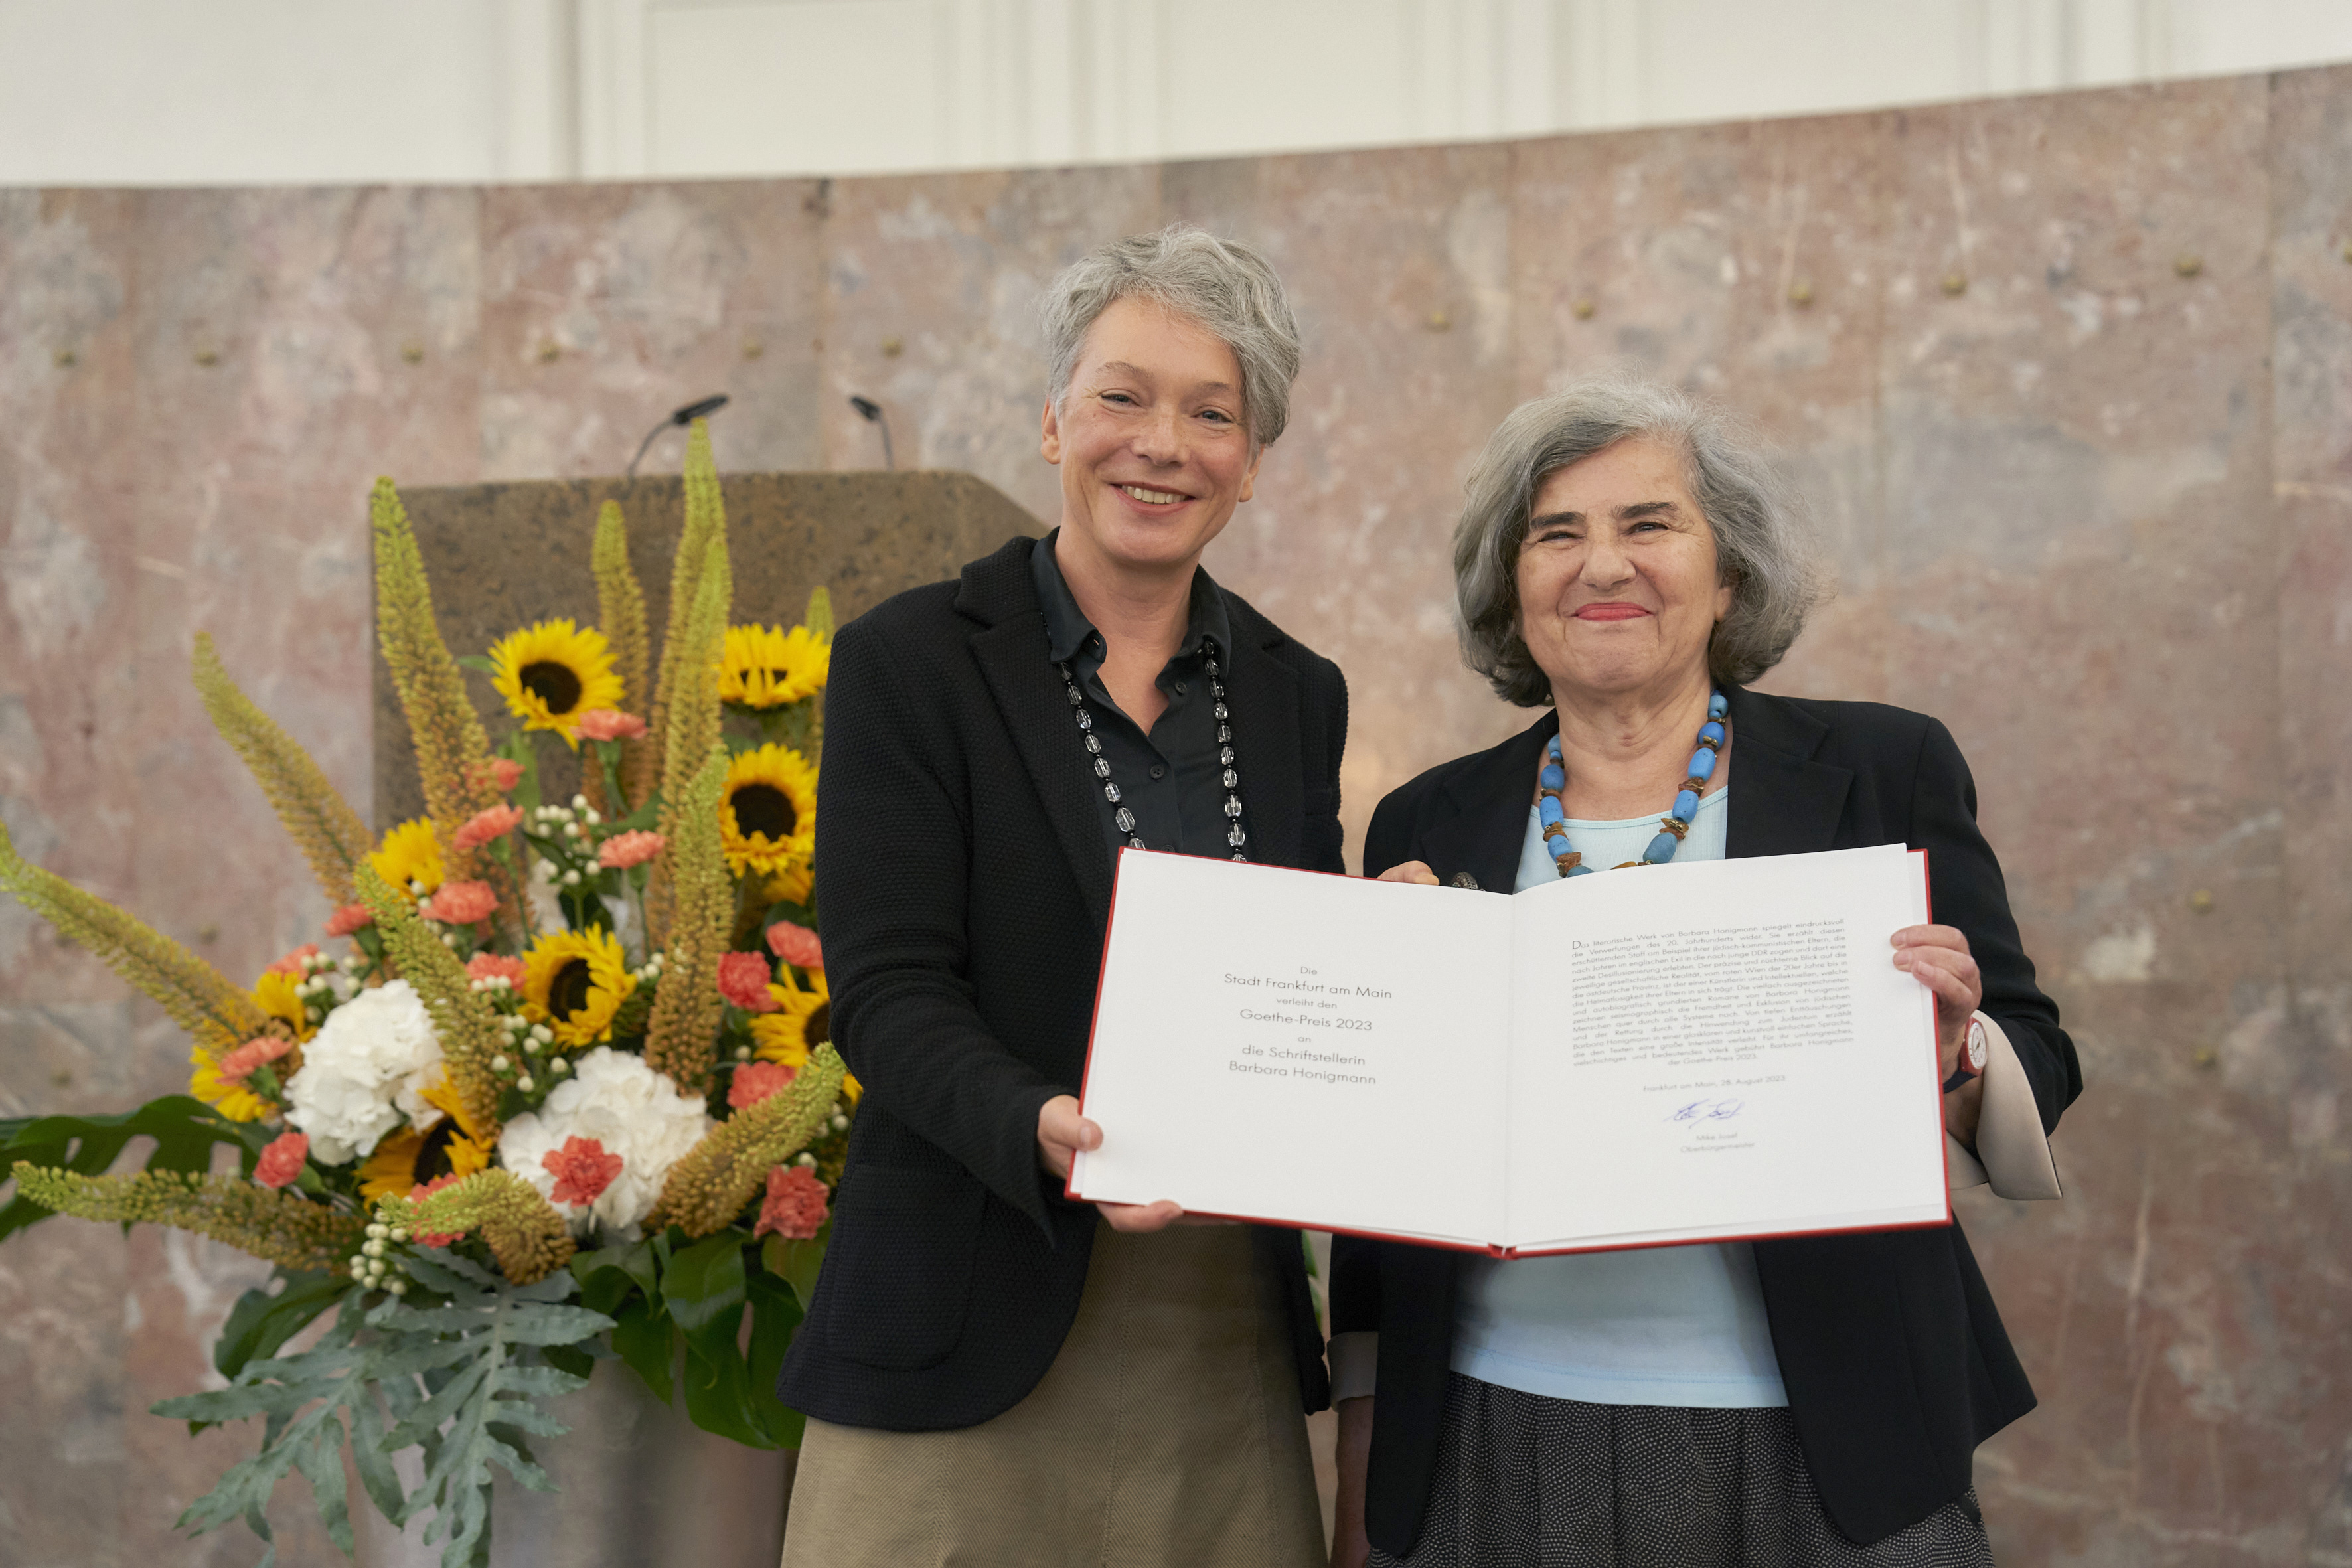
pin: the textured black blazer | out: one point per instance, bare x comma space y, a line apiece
1895, 1363
965, 882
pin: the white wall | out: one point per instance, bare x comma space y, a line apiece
237, 91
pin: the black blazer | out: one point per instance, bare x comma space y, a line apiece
965, 882
1895, 1363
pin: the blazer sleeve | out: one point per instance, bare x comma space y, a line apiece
903, 1012
1967, 891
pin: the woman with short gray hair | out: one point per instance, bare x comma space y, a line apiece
1628, 557
993, 1372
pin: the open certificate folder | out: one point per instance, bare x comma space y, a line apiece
1716, 1051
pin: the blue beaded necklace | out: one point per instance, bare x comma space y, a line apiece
1553, 779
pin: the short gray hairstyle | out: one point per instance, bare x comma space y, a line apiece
1763, 545
1221, 283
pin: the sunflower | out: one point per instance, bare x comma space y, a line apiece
233, 1101
410, 1158
802, 1022
275, 995
554, 672
409, 854
573, 981
767, 818
767, 667
792, 885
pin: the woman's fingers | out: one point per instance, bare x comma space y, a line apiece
1411, 871
1949, 937
1142, 1219
1062, 1133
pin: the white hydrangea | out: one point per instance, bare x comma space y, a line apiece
364, 1071
633, 1112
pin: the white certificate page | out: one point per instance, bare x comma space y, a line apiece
1722, 1049
1287, 1046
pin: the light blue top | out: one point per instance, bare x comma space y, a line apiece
1661, 1325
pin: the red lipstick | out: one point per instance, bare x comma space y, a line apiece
1610, 612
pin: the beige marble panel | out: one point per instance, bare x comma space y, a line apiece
2082, 564
604, 307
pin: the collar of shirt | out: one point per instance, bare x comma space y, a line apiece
1067, 630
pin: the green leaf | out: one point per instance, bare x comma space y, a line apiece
481, 663
261, 1322
607, 1275
570, 1358
797, 1263
185, 1131
776, 1316
702, 1289
720, 1398
645, 1338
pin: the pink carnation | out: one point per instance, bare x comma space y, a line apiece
488, 826
795, 1207
796, 945
282, 1162
257, 1052
348, 918
296, 961
754, 1082
582, 1170
607, 724
744, 980
460, 903
501, 773
491, 966
623, 851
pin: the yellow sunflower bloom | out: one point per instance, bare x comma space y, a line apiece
233, 1101
792, 885
408, 1158
552, 673
764, 667
276, 993
803, 1021
409, 854
767, 818
573, 981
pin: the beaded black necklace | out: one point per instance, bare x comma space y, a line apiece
1234, 834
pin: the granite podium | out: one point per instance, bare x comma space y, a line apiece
640, 1482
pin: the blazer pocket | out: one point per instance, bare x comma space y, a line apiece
901, 1265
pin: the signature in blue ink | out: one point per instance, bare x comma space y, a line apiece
1708, 1110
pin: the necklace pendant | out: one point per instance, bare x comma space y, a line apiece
1125, 818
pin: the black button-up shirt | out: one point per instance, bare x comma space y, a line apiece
1172, 779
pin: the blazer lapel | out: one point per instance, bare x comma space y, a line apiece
1035, 708
1491, 797
1263, 697
1782, 802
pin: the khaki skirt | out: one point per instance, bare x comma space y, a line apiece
1167, 1432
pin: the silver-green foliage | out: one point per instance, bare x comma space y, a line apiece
456, 1374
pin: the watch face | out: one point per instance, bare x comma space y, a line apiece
1978, 1052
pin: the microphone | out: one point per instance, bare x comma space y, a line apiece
679, 417
871, 412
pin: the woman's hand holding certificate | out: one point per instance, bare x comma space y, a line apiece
1703, 1052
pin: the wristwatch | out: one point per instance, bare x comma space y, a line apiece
1975, 1051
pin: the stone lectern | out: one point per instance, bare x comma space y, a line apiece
502, 556
642, 1484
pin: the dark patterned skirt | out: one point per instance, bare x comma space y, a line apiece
1523, 1481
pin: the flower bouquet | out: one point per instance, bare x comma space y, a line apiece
565, 1095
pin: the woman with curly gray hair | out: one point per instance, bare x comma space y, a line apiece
1629, 558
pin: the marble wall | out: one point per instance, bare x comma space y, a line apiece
2069, 380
